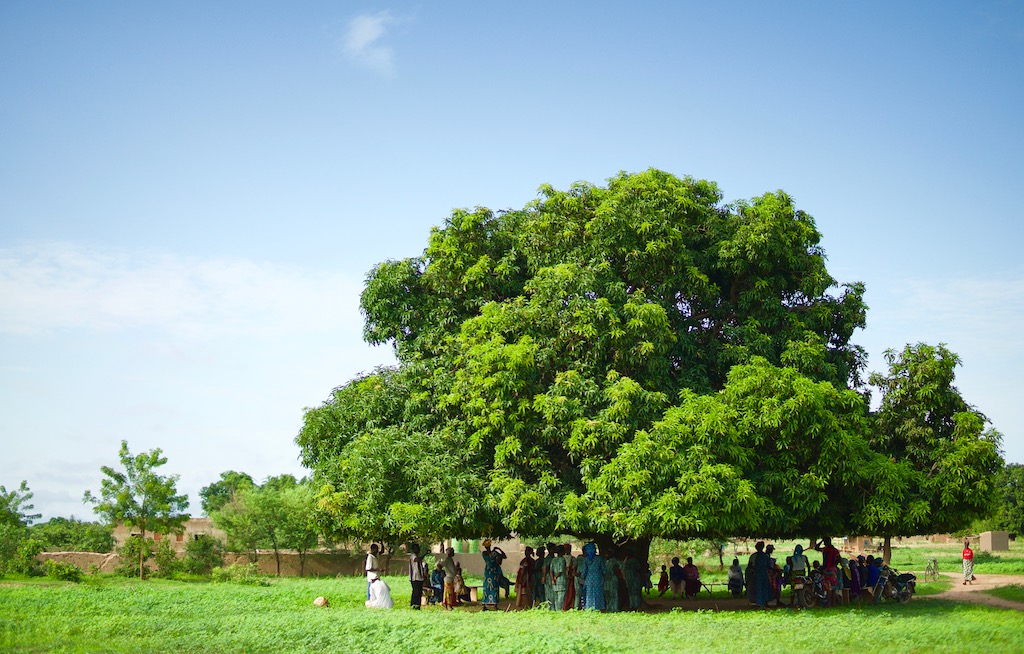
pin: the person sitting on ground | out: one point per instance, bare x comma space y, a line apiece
735, 578
691, 578
663, 582
676, 577
380, 595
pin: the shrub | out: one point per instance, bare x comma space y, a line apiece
202, 554
248, 574
167, 562
62, 570
128, 556
25, 561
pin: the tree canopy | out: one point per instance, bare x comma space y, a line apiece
623, 362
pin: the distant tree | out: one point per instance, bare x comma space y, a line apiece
299, 530
74, 535
17, 548
238, 522
1010, 494
944, 460
15, 504
219, 493
139, 497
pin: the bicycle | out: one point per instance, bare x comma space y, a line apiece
931, 571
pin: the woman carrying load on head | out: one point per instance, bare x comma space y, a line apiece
492, 572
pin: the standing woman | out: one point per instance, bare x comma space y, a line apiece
592, 571
524, 581
968, 563
492, 571
570, 578
612, 575
538, 576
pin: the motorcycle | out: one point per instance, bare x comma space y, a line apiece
892, 585
814, 593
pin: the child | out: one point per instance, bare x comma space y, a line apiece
663, 582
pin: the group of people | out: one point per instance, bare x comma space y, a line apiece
841, 579
608, 581
682, 580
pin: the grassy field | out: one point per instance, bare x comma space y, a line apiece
118, 615
112, 614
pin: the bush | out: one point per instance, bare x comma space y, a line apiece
248, 574
167, 562
62, 570
25, 561
202, 554
128, 555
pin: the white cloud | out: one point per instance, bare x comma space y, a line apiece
59, 286
362, 42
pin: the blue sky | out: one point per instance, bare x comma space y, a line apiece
192, 194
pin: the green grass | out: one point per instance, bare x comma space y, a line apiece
1014, 593
118, 615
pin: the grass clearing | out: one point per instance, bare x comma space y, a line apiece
117, 615
1014, 593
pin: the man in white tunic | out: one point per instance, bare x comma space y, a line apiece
372, 568
380, 595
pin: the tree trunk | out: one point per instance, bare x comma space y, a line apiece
887, 550
277, 557
142, 555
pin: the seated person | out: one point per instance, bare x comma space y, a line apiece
380, 595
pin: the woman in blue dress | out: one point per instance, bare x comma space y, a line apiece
492, 575
592, 572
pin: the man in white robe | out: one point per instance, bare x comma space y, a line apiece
380, 595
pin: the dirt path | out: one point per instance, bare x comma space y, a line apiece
973, 592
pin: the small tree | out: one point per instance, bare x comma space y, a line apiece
299, 532
14, 533
74, 535
139, 497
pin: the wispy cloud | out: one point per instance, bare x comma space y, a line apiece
363, 38
61, 286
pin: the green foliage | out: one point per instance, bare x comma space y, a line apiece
219, 493
202, 554
244, 574
548, 355
167, 562
133, 554
1010, 498
15, 504
62, 570
73, 535
24, 560
946, 460
139, 497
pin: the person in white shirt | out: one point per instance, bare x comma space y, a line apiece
372, 567
380, 595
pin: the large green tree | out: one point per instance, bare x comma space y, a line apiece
547, 354
945, 459
138, 496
